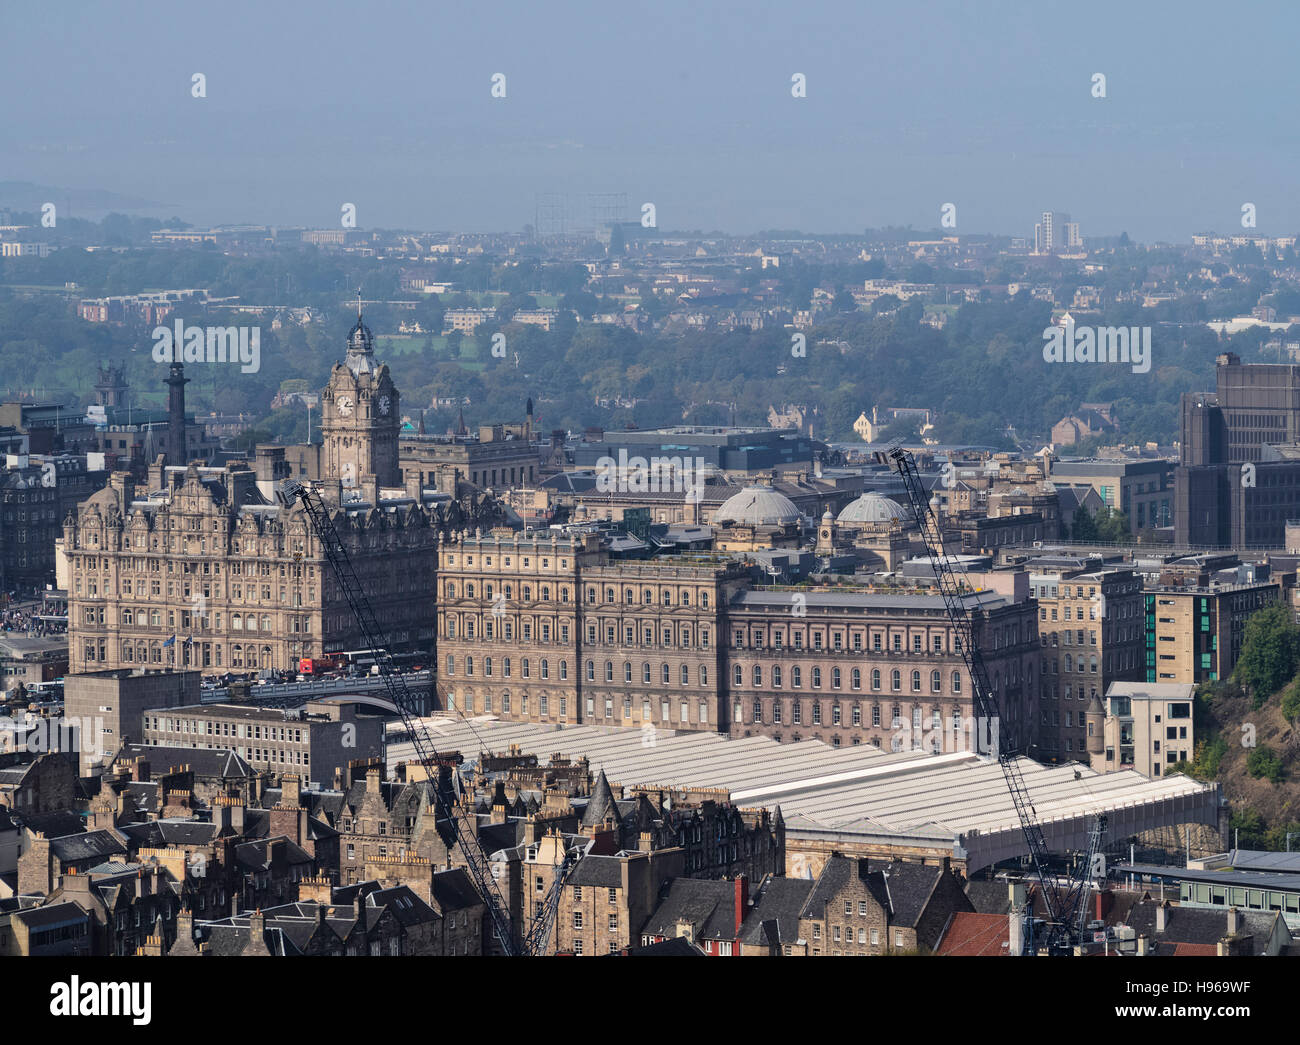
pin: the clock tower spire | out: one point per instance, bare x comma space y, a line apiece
360, 417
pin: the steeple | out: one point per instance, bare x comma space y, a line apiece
601, 805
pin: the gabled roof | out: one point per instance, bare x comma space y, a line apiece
709, 906
161, 833
779, 901
453, 891
205, 762
258, 856
407, 908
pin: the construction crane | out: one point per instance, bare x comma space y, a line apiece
1064, 904
457, 827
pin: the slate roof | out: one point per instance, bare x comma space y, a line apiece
493, 837
162, 833
601, 804
778, 901
835, 875
407, 908
51, 916
708, 905
600, 872
88, 845
1195, 925
205, 762
230, 938
453, 891
253, 856
51, 825
910, 887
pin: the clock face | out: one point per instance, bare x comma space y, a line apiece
384, 403
344, 404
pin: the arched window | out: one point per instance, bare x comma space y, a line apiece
591, 671
686, 675
936, 681
956, 681
796, 676
896, 679
665, 673
857, 678
739, 675
609, 671
916, 682
875, 678
758, 675
645, 673
776, 677
817, 678
835, 678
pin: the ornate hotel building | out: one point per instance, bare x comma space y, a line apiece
205, 569
553, 630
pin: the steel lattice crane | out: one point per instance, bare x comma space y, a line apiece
457, 826
1064, 904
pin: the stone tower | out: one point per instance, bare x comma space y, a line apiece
360, 412
176, 382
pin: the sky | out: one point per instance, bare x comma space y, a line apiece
686, 104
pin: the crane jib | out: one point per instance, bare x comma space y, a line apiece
461, 830
1066, 909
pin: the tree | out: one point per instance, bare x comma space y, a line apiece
1269, 652
1264, 763
1291, 702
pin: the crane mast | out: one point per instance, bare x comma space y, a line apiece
991, 736
459, 831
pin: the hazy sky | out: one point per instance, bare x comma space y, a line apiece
683, 103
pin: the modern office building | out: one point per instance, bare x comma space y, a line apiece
1239, 480
1194, 635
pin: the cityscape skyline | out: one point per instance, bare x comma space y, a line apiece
722, 143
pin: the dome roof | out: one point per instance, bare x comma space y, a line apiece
873, 508
758, 506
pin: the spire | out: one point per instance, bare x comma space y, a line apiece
420, 430
361, 346
601, 805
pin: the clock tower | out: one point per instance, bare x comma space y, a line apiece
359, 411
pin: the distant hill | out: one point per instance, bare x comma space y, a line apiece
92, 204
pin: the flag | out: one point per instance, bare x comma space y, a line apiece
189, 640
170, 642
